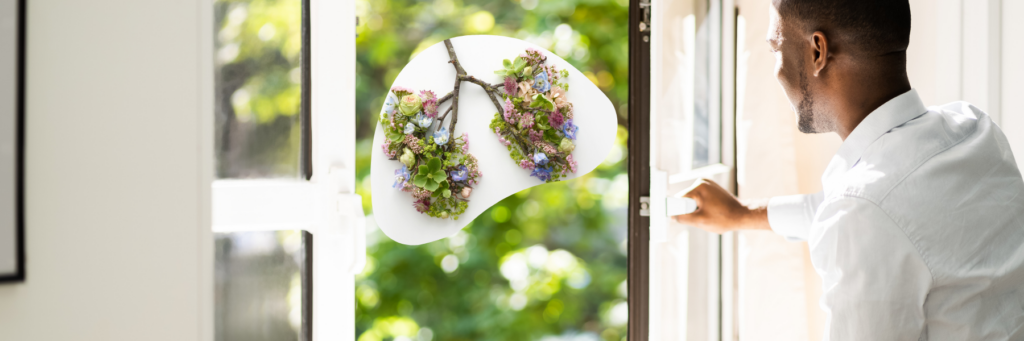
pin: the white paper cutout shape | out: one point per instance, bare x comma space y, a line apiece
480, 56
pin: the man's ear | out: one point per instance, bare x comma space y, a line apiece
820, 45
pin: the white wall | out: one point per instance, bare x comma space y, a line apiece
970, 50
1013, 76
118, 170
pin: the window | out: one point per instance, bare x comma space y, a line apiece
289, 227
548, 263
682, 279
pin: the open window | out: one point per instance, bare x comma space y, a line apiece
682, 279
288, 224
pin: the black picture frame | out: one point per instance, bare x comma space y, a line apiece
19, 152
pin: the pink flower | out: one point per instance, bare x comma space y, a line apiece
558, 96
422, 205
571, 162
536, 136
429, 103
510, 111
548, 149
525, 89
413, 143
510, 86
556, 119
526, 122
420, 193
387, 149
527, 164
466, 191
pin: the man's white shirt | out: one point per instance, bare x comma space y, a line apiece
918, 233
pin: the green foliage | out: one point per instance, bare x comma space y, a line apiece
512, 69
407, 290
431, 175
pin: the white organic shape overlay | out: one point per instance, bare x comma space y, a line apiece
481, 56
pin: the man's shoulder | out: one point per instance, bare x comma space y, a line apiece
942, 147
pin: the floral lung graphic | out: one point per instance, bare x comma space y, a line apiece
437, 170
536, 122
435, 165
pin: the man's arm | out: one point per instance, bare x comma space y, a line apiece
875, 281
719, 211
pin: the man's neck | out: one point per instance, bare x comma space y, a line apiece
865, 92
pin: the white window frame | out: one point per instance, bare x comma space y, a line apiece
326, 205
711, 261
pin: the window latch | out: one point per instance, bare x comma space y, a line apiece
659, 206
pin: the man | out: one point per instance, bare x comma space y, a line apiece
919, 231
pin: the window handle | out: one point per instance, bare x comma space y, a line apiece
659, 206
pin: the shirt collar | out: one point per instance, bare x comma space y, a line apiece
893, 113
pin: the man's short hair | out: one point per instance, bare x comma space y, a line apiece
872, 27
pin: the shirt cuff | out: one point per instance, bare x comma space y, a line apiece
791, 216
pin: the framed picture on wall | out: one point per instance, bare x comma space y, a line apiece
12, 140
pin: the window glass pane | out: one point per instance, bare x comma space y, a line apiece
685, 135
702, 73
258, 293
685, 114
548, 263
258, 86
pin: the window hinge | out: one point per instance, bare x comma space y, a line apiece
645, 22
645, 206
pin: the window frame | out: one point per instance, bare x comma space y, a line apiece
722, 257
323, 200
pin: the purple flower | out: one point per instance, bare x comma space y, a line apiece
461, 174
556, 119
401, 177
540, 159
570, 129
422, 205
510, 86
542, 173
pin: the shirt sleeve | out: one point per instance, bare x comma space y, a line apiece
875, 282
791, 216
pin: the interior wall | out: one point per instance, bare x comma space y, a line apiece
118, 159
778, 288
1013, 76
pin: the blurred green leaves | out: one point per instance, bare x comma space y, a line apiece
548, 262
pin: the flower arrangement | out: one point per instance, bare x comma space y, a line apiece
535, 123
437, 170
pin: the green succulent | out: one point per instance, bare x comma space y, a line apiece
430, 176
512, 68
542, 102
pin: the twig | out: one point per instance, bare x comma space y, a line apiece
459, 74
445, 98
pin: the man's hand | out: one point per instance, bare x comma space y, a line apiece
719, 211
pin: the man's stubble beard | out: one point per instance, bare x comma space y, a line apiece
809, 121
